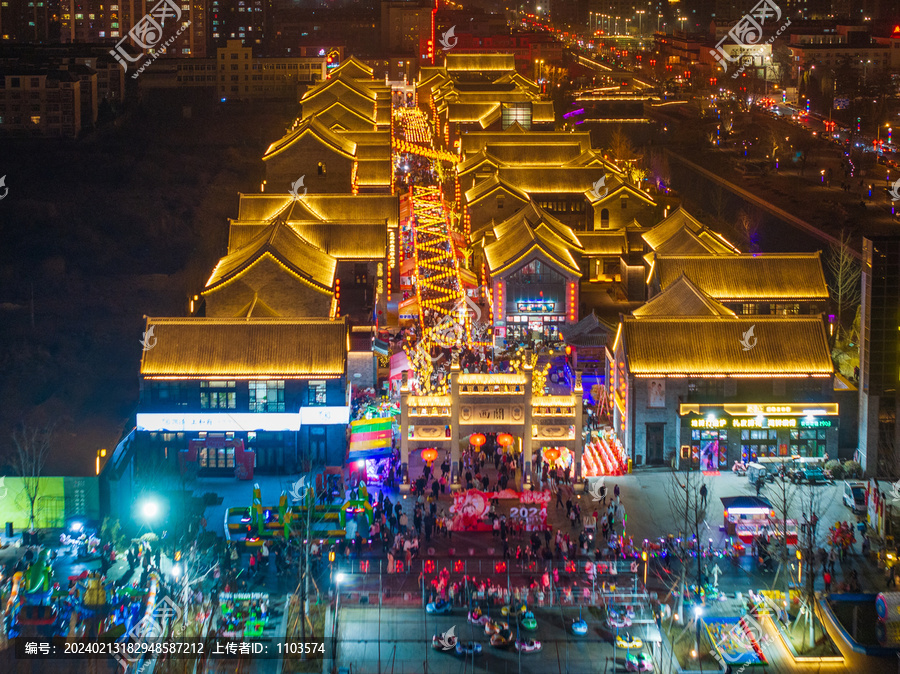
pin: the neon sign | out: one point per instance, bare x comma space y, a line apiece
536, 307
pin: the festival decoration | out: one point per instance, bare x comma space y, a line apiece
551, 454
505, 440
477, 439
429, 455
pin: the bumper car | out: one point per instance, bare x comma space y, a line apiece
628, 641
579, 627
638, 662
445, 641
468, 648
530, 646
441, 606
615, 621
506, 610
494, 626
476, 617
501, 639
529, 622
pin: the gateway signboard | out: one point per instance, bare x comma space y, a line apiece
218, 422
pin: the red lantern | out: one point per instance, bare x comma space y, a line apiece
429, 455
504, 439
477, 439
551, 454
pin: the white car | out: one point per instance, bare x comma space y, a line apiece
531, 646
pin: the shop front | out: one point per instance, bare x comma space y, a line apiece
714, 437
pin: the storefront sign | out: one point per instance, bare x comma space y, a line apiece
487, 414
536, 307
220, 421
709, 423
324, 415
763, 422
753, 410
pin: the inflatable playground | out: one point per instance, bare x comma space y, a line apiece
257, 524
88, 608
736, 641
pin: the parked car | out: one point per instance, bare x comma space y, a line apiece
855, 497
809, 470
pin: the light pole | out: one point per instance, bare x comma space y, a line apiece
640, 14
658, 18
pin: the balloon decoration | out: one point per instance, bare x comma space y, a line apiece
551, 454
429, 455
477, 439
505, 440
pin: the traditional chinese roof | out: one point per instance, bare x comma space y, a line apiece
341, 240
245, 347
479, 63
603, 243
374, 173
542, 112
338, 116
589, 332
524, 235
364, 208
683, 233
484, 114
616, 186
779, 276
474, 141
531, 154
714, 346
682, 298
311, 126
489, 186
547, 180
354, 69
283, 245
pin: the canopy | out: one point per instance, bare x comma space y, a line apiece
746, 503
370, 438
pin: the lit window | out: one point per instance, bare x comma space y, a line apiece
35, 119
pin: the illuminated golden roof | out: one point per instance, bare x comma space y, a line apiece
242, 348
489, 186
336, 88
542, 112
280, 243
480, 63
552, 401
314, 128
471, 112
354, 69
616, 187
603, 243
745, 277
374, 173
339, 115
678, 227
592, 158
475, 141
682, 298
520, 239
361, 208
346, 241
543, 223
526, 154
551, 180
712, 346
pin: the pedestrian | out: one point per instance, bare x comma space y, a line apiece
703, 495
559, 500
759, 485
616, 491
827, 577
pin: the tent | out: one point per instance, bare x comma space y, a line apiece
370, 438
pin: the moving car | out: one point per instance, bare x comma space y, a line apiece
628, 641
641, 662
501, 639
494, 626
579, 627
529, 622
855, 497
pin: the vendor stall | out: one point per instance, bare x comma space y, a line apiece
746, 517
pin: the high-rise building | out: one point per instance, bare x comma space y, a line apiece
249, 21
29, 21
879, 444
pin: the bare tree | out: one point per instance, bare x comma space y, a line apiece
32, 448
621, 147
845, 270
783, 495
747, 226
689, 508
811, 500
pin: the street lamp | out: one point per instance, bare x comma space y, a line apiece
640, 14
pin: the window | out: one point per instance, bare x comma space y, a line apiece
211, 457
604, 219
808, 442
267, 396
316, 390
500, 200
322, 168
756, 443
748, 308
218, 395
784, 308
170, 393
624, 203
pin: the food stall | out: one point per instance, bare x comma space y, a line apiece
748, 516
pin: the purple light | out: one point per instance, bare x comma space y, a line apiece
574, 112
